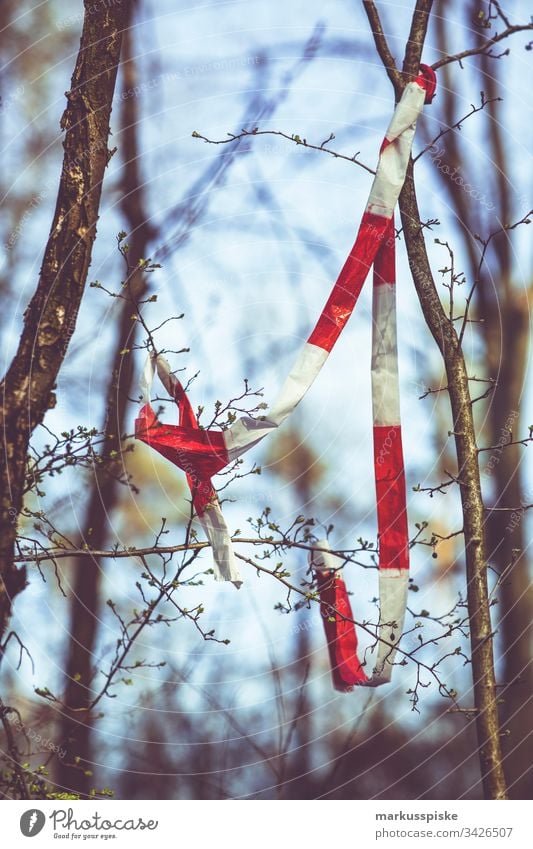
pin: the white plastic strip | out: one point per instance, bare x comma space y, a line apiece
385, 388
224, 561
393, 584
394, 157
247, 432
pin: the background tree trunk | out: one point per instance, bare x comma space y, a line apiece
504, 327
444, 334
85, 601
50, 319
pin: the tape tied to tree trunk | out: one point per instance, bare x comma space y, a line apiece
203, 453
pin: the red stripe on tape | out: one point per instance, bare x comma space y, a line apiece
346, 670
200, 453
390, 495
345, 293
385, 262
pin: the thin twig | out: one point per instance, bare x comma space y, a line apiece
457, 124
295, 138
483, 49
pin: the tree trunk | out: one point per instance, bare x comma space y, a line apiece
481, 638
76, 726
442, 330
506, 335
504, 329
50, 319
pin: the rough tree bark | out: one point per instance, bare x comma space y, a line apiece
443, 331
50, 319
76, 724
504, 329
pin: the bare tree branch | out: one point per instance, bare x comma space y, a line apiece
293, 138
382, 47
483, 49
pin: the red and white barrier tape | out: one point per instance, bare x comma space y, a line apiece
203, 453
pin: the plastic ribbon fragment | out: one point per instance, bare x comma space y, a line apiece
337, 616
202, 453
390, 500
346, 669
